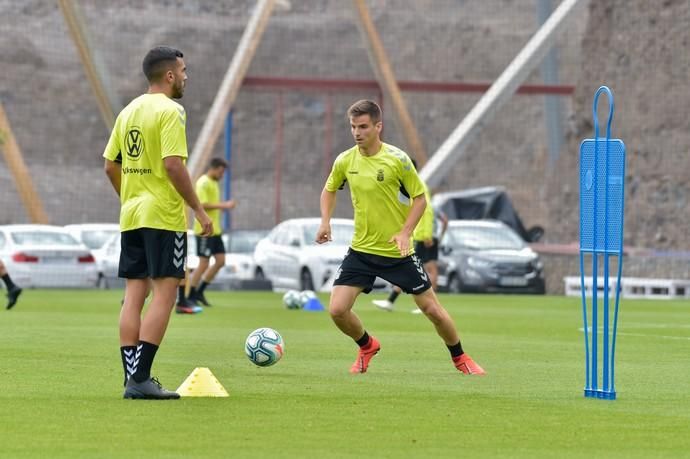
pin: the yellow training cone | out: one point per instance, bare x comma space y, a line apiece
201, 383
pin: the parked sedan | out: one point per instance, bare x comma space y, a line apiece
487, 256
46, 256
239, 252
239, 257
290, 258
95, 237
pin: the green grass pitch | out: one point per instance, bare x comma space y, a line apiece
61, 377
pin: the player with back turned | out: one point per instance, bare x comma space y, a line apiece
388, 201
145, 162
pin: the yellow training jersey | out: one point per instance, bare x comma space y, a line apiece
381, 186
425, 228
208, 191
149, 129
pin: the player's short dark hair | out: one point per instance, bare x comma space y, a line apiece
218, 162
158, 61
365, 107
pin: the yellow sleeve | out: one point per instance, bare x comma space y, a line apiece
173, 135
112, 150
202, 190
410, 180
336, 179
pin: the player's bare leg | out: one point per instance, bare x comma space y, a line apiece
428, 302
153, 326
209, 273
130, 313
340, 308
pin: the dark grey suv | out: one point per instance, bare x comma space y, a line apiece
487, 256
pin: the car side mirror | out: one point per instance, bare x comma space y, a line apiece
295, 243
535, 233
446, 250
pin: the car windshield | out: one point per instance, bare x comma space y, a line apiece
341, 233
484, 238
43, 238
244, 241
95, 239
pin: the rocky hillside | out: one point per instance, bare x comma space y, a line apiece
636, 47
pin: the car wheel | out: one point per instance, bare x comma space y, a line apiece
259, 274
454, 284
305, 280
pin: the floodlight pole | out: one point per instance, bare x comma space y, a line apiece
229, 88
108, 102
386, 78
15, 163
497, 95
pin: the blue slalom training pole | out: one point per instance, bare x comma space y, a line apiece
602, 193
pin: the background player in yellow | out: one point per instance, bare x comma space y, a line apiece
208, 190
13, 291
388, 201
427, 236
145, 162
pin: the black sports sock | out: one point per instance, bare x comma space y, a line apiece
8, 282
456, 350
393, 296
146, 352
180, 294
129, 360
202, 287
364, 340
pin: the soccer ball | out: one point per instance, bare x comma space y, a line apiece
305, 296
264, 347
292, 299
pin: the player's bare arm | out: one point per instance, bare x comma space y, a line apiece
224, 205
179, 177
327, 205
114, 170
402, 239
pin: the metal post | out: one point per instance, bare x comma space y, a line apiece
552, 103
227, 192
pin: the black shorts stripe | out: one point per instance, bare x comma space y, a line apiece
360, 269
426, 254
154, 253
207, 246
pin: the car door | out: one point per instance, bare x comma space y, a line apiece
287, 256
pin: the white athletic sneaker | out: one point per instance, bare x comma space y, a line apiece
416, 311
383, 304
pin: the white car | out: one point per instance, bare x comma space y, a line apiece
239, 259
46, 256
95, 236
290, 258
239, 252
110, 263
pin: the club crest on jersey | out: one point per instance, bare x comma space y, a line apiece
379, 175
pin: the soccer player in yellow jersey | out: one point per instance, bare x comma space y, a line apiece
145, 162
388, 201
13, 290
208, 190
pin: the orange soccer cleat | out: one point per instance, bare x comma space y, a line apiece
465, 364
365, 355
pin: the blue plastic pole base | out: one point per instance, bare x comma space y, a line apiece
600, 394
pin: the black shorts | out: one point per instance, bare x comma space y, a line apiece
426, 254
360, 269
148, 252
207, 246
